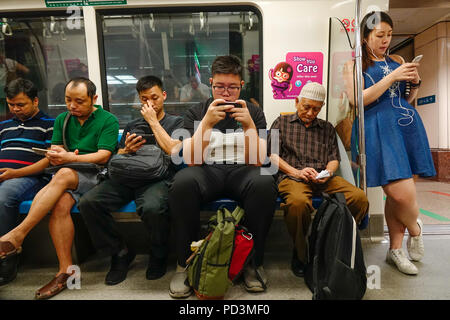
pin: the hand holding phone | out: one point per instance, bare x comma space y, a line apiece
40, 151
149, 138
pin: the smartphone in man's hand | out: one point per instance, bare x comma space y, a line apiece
149, 138
235, 104
40, 151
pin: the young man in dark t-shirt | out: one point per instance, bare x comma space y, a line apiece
224, 159
151, 199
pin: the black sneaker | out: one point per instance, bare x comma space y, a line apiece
8, 269
119, 268
297, 267
156, 268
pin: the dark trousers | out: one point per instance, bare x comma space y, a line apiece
195, 186
151, 205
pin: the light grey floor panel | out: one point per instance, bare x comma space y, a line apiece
432, 283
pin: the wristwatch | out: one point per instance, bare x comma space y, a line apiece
416, 85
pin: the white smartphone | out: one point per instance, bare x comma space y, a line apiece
40, 151
418, 58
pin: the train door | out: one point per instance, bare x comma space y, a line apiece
342, 112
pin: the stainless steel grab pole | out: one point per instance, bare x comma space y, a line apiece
359, 99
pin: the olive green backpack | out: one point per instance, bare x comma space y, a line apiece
208, 265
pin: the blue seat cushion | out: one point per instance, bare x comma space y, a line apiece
25, 207
211, 206
231, 204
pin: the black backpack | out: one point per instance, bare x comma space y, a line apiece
147, 165
335, 269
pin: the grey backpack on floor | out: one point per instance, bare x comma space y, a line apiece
335, 269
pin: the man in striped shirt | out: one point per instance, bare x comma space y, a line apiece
308, 146
20, 167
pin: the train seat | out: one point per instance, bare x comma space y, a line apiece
344, 171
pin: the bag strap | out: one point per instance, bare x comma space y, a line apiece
322, 226
237, 214
340, 198
66, 120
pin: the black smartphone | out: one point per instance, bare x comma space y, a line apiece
235, 104
149, 138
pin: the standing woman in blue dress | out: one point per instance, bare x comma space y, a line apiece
396, 141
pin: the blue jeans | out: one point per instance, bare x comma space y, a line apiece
12, 193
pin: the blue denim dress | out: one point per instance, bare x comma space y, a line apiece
396, 141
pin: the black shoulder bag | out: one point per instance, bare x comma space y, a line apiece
149, 164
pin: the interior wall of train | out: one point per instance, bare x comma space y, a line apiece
50, 41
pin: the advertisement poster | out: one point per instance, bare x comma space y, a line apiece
288, 77
338, 61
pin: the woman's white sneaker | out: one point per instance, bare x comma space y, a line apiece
399, 258
415, 244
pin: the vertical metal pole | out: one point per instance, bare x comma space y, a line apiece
359, 99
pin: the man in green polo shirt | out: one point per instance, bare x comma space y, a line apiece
91, 137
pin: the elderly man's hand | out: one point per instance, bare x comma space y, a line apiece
306, 174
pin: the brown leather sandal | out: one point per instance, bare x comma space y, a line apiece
7, 249
52, 288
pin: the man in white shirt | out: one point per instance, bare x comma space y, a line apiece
194, 91
8, 72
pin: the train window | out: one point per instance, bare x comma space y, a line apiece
47, 50
178, 47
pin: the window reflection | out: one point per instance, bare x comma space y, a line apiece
179, 48
45, 51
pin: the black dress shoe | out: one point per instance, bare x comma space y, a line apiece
156, 268
297, 267
8, 269
119, 268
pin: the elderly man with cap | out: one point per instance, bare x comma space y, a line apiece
308, 146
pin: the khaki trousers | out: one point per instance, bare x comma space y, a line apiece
298, 207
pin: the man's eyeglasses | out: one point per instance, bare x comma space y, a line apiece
221, 89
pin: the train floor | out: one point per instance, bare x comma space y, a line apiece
384, 281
